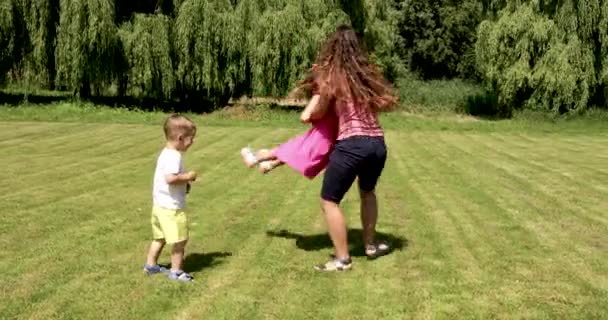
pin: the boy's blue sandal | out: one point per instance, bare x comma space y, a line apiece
180, 276
148, 269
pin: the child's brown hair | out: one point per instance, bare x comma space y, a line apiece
176, 125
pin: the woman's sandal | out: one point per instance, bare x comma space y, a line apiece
377, 249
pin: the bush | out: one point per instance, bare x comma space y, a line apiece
445, 95
486, 105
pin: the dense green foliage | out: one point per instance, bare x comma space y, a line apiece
549, 55
438, 36
147, 49
87, 54
27, 37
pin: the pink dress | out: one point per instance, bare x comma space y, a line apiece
309, 153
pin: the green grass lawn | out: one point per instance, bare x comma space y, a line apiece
491, 220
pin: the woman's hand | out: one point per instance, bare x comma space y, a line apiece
314, 110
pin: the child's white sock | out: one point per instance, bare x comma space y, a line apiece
249, 157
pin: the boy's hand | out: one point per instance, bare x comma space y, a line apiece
181, 178
191, 176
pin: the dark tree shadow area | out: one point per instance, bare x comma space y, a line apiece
195, 104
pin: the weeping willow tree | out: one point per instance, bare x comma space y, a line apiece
88, 49
286, 40
201, 42
549, 55
603, 52
226, 48
12, 36
147, 48
40, 18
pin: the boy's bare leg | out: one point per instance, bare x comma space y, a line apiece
177, 256
155, 249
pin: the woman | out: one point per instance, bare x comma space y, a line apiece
343, 81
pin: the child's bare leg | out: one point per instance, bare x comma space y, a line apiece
269, 165
155, 248
252, 158
177, 256
265, 155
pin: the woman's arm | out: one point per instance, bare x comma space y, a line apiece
314, 110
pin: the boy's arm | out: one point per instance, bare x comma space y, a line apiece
180, 178
314, 110
171, 164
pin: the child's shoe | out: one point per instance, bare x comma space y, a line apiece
149, 270
249, 157
180, 276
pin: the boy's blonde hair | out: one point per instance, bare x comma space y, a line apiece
176, 125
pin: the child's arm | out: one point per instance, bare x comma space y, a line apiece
180, 178
314, 110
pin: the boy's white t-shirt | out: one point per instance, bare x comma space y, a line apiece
165, 195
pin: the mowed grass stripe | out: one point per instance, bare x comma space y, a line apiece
546, 183
548, 235
549, 205
273, 271
464, 262
505, 194
76, 181
228, 231
86, 161
147, 231
16, 134
91, 246
404, 212
57, 139
554, 155
481, 227
482, 219
569, 157
77, 164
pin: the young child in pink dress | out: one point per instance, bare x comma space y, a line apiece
308, 153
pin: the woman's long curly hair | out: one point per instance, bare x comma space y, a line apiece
342, 72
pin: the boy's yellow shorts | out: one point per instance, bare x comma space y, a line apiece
169, 224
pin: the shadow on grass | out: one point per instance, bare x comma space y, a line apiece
198, 261
318, 242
